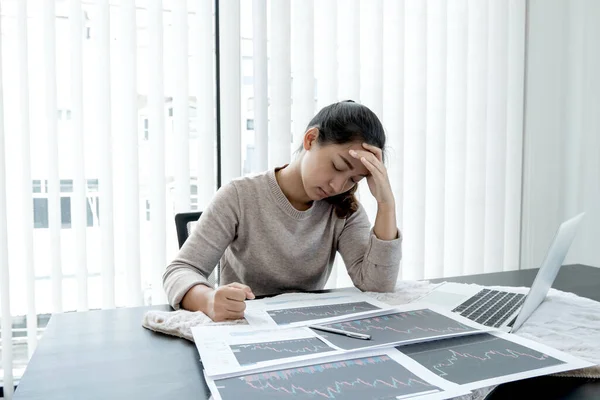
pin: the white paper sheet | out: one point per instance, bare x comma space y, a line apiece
302, 309
357, 376
490, 359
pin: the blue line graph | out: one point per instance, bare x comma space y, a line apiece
377, 377
252, 353
473, 358
396, 327
289, 315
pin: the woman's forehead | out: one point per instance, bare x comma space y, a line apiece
345, 148
342, 152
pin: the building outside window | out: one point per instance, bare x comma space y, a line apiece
40, 203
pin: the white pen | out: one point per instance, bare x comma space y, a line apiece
341, 332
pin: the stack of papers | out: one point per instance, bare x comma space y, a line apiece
413, 352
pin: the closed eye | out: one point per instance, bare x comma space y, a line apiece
353, 180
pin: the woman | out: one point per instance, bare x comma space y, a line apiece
279, 231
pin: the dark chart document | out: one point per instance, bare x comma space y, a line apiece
396, 327
474, 358
252, 353
377, 377
291, 315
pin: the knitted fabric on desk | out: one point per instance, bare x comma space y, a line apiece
563, 321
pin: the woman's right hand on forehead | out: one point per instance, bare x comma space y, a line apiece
378, 180
228, 302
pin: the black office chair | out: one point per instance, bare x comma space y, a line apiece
184, 224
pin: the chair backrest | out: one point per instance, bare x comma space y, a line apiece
184, 224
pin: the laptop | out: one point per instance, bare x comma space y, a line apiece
506, 310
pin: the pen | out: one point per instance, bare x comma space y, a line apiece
341, 332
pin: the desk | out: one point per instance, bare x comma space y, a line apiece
108, 355
579, 279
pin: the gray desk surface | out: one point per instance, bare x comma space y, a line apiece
579, 279
108, 355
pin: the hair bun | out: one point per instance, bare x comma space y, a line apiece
344, 204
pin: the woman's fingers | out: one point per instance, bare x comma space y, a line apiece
222, 314
235, 306
232, 293
229, 302
375, 150
369, 156
245, 288
234, 316
370, 166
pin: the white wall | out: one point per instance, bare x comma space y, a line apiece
562, 128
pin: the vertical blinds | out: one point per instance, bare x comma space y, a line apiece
127, 134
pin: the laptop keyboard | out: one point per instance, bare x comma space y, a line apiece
490, 307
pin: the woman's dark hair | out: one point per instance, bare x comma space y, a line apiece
347, 122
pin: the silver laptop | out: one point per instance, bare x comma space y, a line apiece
506, 310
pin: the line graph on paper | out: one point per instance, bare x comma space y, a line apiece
474, 358
377, 377
396, 327
252, 353
290, 315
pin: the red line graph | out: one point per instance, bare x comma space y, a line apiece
333, 380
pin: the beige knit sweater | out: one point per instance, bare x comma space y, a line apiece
262, 241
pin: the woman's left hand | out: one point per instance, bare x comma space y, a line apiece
379, 183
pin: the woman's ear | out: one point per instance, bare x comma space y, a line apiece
310, 138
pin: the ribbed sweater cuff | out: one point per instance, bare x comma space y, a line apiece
385, 252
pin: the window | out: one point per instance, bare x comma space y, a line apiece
145, 129
92, 185
40, 203
88, 27
193, 122
66, 186
249, 124
93, 211
40, 213
63, 115
37, 186
65, 212
194, 197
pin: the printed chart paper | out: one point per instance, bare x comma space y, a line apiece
301, 310
415, 350
489, 359
403, 325
365, 376
234, 349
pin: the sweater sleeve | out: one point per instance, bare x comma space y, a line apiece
215, 230
373, 264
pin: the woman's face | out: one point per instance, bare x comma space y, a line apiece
328, 170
